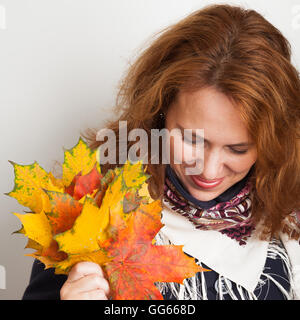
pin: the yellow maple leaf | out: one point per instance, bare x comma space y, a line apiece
87, 230
57, 182
36, 227
144, 192
133, 174
99, 257
30, 180
64, 266
31, 244
80, 158
129, 178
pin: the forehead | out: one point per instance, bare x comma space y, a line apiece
210, 110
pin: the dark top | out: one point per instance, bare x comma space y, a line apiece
45, 285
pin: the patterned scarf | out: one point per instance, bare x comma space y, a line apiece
231, 216
229, 213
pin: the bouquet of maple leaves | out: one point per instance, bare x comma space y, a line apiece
108, 219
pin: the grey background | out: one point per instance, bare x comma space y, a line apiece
60, 64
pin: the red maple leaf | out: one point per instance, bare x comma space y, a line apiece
137, 263
83, 185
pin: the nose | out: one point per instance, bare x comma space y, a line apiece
213, 164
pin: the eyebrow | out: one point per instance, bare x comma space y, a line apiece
241, 144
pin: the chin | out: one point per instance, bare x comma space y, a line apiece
204, 195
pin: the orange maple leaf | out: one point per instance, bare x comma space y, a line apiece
136, 263
82, 185
64, 211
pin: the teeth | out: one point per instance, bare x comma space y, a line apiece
210, 183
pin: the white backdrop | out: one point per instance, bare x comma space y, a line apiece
60, 63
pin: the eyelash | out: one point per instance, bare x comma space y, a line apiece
239, 152
234, 151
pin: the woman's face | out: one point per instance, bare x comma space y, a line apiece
228, 151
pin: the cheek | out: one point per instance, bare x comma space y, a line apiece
192, 153
241, 164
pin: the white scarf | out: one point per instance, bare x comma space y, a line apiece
243, 265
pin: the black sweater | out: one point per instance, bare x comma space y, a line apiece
46, 285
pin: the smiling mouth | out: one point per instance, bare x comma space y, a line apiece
206, 184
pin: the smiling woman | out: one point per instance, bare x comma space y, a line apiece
226, 140
228, 71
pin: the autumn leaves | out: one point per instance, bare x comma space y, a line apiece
107, 219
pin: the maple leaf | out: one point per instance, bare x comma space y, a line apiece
64, 211
108, 219
53, 210
144, 192
104, 183
30, 180
86, 184
57, 182
79, 159
87, 231
136, 263
36, 227
129, 179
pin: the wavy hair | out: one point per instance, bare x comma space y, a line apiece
238, 52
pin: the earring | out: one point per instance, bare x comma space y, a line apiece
160, 122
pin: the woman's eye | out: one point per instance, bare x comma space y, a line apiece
198, 141
239, 151
190, 141
193, 142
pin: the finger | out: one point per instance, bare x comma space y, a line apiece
97, 294
89, 282
84, 268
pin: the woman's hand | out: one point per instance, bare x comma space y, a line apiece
85, 282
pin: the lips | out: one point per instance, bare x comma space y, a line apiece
206, 184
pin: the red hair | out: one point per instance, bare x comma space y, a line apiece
241, 54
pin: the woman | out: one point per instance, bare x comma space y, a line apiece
228, 71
